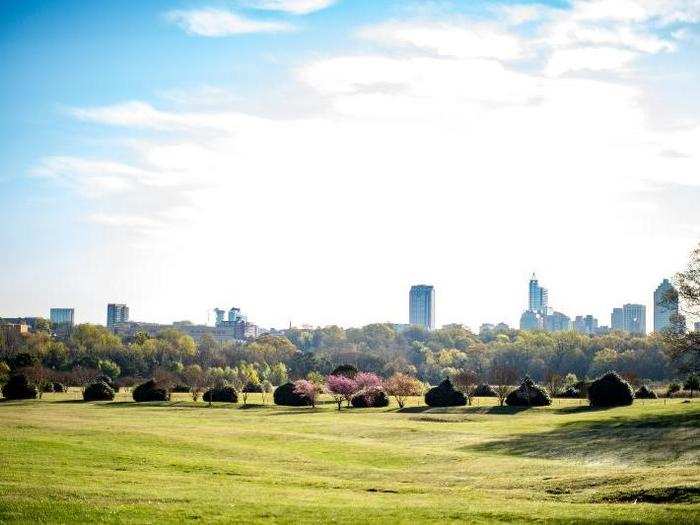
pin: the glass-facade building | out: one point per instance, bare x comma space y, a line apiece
421, 306
537, 297
635, 318
665, 306
117, 313
62, 316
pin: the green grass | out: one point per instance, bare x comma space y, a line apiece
68, 461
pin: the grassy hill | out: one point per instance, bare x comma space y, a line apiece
63, 460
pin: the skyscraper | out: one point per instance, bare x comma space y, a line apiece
617, 319
538, 297
62, 316
586, 324
665, 307
421, 306
116, 313
557, 322
635, 318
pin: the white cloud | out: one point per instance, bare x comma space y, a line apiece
296, 7
590, 59
218, 22
465, 41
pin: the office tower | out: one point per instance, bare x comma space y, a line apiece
421, 306
62, 316
531, 320
586, 324
557, 322
117, 313
635, 318
538, 297
666, 308
617, 319
219, 316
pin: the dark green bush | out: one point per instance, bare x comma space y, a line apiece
645, 392
224, 394
98, 392
372, 397
583, 386
252, 388
571, 393
284, 395
150, 391
484, 390
107, 381
445, 395
528, 394
59, 387
345, 371
180, 389
19, 387
610, 390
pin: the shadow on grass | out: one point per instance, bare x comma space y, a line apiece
643, 440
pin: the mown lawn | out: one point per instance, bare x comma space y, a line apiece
63, 460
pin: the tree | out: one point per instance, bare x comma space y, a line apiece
692, 383
4, 372
502, 378
82, 376
307, 389
367, 380
109, 368
688, 284
39, 375
402, 386
196, 379
278, 374
554, 382
466, 381
267, 388
341, 388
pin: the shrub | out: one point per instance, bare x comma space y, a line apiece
445, 395
582, 387
673, 388
528, 394
571, 393
484, 390
341, 388
18, 387
98, 392
370, 397
150, 391
286, 396
224, 394
59, 387
181, 389
645, 392
307, 390
610, 390
253, 388
348, 371
107, 381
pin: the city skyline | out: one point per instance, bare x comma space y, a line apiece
299, 160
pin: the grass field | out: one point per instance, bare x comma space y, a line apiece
63, 460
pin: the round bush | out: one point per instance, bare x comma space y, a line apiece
285, 396
528, 394
372, 397
150, 391
224, 394
98, 392
445, 395
107, 381
484, 390
645, 393
349, 371
610, 390
252, 388
180, 389
59, 387
18, 387
571, 393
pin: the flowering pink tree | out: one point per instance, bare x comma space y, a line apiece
341, 388
367, 381
307, 389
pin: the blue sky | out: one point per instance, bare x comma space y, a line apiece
309, 160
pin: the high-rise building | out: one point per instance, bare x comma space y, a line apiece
557, 322
421, 306
635, 318
219, 316
531, 320
666, 308
117, 313
62, 316
617, 319
586, 324
537, 297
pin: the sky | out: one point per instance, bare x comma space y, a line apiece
310, 160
